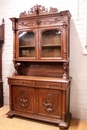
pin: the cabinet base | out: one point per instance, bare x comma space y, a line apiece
62, 124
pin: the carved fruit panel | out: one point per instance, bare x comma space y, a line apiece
50, 102
23, 99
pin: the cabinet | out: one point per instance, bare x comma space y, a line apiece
39, 88
1, 43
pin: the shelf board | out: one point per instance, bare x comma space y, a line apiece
26, 46
47, 45
51, 45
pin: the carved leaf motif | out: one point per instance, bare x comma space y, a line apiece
27, 23
48, 22
52, 10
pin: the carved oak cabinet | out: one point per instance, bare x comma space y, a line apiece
40, 86
1, 43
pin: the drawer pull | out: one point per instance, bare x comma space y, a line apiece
20, 83
47, 86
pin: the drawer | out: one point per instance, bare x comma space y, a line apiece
21, 82
53, 85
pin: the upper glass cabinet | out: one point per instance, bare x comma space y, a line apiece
41, 35
40, 45
51, 43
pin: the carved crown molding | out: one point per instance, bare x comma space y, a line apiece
37, 10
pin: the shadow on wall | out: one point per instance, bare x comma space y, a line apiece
78, 72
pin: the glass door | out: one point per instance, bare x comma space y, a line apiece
51, 44
27, 42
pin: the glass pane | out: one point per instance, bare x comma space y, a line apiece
26, 44
51, 43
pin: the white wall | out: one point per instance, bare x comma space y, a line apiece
78, 61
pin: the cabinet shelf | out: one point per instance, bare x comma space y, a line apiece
26, 46
47, 45
51, 45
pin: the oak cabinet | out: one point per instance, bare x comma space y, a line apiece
40, 85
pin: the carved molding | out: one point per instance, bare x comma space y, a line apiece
27, 24
37, 10
52, 21
40, 22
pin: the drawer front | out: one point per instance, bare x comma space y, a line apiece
21, 82
53, 85
40, 22
38, 84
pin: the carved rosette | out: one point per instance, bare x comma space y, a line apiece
37, 10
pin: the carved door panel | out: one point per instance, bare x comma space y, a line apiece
23, 99
50, 103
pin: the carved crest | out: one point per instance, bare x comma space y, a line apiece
37, 10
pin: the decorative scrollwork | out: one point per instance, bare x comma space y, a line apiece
27, 24
37, 10
52, 10
52, 21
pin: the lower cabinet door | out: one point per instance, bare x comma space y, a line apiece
23, 98
49, 103
41, 102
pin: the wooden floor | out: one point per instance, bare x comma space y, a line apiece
17, 123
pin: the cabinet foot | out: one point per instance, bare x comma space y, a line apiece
64, 125
10, 114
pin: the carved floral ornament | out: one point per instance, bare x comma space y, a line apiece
37, 10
